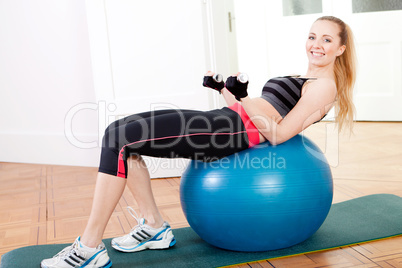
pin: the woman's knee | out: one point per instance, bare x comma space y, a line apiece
110, 139
112, 126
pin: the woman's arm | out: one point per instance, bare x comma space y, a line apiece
317, 100
229, 97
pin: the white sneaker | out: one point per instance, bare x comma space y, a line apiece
76, 256
143, 237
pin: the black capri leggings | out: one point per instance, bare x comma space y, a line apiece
199, 135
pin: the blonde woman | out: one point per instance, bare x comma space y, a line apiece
286, 107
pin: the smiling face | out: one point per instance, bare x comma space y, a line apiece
324, 44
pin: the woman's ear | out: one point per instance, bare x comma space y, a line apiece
341, 50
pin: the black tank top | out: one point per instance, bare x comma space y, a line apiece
283, 92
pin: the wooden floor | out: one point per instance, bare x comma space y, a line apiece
43, 204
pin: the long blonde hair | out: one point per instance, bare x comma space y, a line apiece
345, 76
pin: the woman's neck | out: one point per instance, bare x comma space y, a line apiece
321, 72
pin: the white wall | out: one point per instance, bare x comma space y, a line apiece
150, 55
45, 70
46, 76
250, 18
261, 41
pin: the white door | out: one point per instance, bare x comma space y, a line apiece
149, 55
378, 37
221, 29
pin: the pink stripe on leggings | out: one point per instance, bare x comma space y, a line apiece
252, 131
121, 170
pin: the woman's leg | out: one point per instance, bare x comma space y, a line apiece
151, 232
109, 188
166, 135
108, 191
190, 134
139, 183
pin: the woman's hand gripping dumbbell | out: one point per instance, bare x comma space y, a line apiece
214, 81
237, 85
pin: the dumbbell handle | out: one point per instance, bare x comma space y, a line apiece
242, 78
218, 78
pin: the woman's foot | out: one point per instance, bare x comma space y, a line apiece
78, 255
144, 236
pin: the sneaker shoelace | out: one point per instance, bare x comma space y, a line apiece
68, 251
133, 214
140, 224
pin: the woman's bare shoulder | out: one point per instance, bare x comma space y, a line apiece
323, 81
322, 84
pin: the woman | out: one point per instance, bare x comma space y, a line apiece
287, 106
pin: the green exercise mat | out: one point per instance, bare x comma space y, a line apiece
358, 220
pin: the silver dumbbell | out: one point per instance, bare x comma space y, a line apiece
217, 78
242, 78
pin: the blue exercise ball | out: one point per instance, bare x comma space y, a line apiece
263, 198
